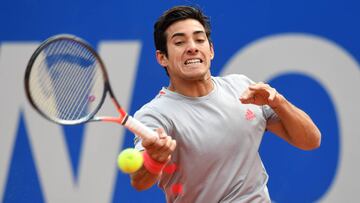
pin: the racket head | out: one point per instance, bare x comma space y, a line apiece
65, 80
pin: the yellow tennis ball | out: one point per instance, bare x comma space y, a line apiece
130, 160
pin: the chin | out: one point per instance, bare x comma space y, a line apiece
198, 76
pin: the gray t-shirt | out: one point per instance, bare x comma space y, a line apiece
218, 138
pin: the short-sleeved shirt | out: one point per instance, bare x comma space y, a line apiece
218, 137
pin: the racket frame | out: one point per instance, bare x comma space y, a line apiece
107, 88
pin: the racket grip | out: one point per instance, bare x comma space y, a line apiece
139, 129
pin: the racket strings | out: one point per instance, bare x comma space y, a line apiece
72, 83
40, 82
53, 74
70, 90
68, 84
50, 75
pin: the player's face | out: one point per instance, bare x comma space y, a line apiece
189, 51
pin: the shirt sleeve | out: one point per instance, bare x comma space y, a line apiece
153, 120
269, 114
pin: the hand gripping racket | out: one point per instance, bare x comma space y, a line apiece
67, 83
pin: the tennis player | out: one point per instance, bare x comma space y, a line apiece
210, 127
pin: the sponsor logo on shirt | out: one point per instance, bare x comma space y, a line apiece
249, 115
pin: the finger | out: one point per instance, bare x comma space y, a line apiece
159, 145
166, 148
156, 154
153, 146
272, 95
168, 152
163, 153
161, 132
247, 94
247, 100
173, 145
254, 89
160, 157
149, 142
247, 97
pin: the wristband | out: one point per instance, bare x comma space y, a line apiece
151, 165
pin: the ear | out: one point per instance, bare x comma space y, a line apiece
161, 58
212, 52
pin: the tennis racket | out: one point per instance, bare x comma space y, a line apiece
67, 83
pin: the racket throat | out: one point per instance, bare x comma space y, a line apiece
119, 120
123, 122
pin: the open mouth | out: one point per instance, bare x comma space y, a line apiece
193, 61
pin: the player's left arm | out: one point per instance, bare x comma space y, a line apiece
294, 125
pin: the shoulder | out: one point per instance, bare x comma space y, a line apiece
235, 82
155, 112
151, 108
157, 105
235, 79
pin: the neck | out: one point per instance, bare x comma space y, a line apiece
192, 88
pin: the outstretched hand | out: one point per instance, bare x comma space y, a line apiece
261, 94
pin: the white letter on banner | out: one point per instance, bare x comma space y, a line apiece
13, 59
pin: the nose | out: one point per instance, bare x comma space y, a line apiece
192, 48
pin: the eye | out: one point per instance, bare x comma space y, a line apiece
200, 40
178, 43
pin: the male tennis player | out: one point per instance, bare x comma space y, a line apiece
217, 122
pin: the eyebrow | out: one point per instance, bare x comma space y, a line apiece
181, 34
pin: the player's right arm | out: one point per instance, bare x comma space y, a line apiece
159, 151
